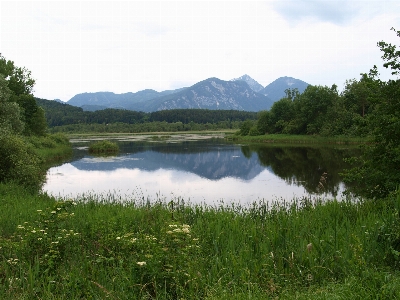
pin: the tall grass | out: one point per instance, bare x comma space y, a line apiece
51, 147
81, 248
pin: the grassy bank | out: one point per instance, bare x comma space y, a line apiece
51, 147
88, 248
296, 139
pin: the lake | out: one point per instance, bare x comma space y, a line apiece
200, 169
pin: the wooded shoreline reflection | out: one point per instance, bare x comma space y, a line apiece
305, 165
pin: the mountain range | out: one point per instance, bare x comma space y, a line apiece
243, 93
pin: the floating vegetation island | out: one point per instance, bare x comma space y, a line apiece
103, 147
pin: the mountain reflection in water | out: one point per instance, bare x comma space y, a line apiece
203, 171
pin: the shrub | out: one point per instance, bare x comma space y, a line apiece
18, 162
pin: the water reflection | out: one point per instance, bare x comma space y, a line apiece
306, 165
202, 171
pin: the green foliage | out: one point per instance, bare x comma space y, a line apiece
378, 172
22, 158
32, 115
18, 161
10, 114
20, 85
22, 128
103, 147
245, 127
19, 79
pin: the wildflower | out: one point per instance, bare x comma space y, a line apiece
58, 208
33, 231
53, 212
195, 240
169, 232
309, 247
177, 230
185, 230
39, 210
173, 225
141, 263
133, 240
39, 239
118, 237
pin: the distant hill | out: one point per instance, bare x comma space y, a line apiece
254, 85
212, 93
276, 90
130, 101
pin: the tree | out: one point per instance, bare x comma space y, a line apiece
10, 114
20, 85
311, 108
379, 170
19, 79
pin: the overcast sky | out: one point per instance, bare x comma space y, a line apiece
73, 47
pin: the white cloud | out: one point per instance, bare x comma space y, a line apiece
121, 46
337, 12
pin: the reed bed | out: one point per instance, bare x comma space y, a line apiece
167, 249
299, 139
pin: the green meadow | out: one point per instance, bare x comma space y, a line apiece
98, 247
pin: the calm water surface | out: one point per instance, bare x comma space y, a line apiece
200, 170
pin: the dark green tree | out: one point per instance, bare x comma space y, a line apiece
10, 113
311, 108
20, 83
379, 171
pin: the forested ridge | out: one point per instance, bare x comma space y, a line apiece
66, 118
